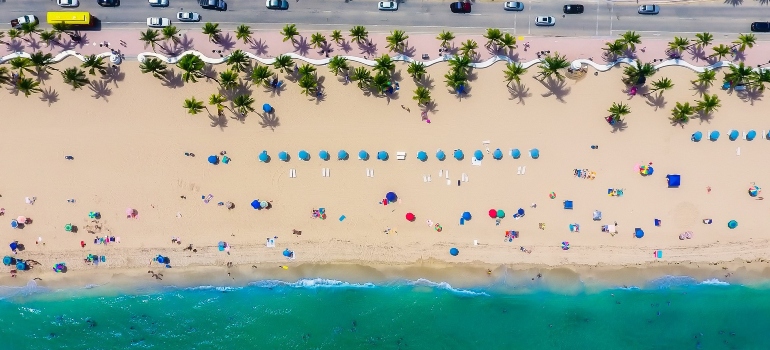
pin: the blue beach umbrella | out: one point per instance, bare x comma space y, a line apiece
466, 216
382, 155
497, 154
440, 155
454, 251
732, 224
323, 155
267, 108
478, 154
751, 135
283, 156
21, 265
422, 156
14, 245
515, 153
255, 204
14, 224
534, 153
213, 159
263, 157
767, 136
391, 196
363, 155
287, 252
7, 260
696, 136
342, 155
638, 233
714, 135
459, 154
734, 134
303, 155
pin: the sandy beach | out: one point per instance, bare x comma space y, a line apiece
129, 137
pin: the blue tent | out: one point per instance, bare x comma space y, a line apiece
674, 180
422, 156
263, 157
382, 155
497, 154
303, 155
283, 156
14, 245
459, 154
342, 155
466, 216
751, 135
454, 251
213, 159
7, 260
255, 204
515, 153
391, 196
714, 135
21, 265
696, 136
734, 134
267, 108
534, 153
362, 155
287, 253
568, 205
478, 154
323, 155
638, 233
440, 155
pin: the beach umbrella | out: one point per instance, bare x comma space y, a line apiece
734, 134
130, 212
696, 136
14, 224
497, 154
500, 213
229, 205
440, 155
534, 153
323, 155
732, 224
520, 212
7, 260
363, 155
767, 136
287, 252
14, 245
303, 155
267, 108
263, 204
214, 159
565, 245
21, 265
478, 154
638, 233
515, 153
422, 156
410, 216
454, 251
459, 154
714, 135
492, 213
466, 216
751, 135
754, 191
21, 220
382, 155
68, 227
283, 156
263, 157
255, 204
391, 196
342, 155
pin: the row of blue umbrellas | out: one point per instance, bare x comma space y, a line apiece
383, 155
733, 135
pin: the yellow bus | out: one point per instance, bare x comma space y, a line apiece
71, 18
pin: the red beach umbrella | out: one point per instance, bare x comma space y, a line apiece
410, 216
21, 220
492, 213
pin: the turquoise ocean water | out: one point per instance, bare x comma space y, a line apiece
668, 313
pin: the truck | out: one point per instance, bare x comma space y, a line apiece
219, 5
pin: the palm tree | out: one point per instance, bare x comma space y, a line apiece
720, 51
193, 106
362, 76
744, 41
468, 47
212, 30
681, 113
308, 84
738, 74
41, 61
706, 78
380, 82
27, 86
708, 104
445, 37
460, 63
5, 77
614, 48
75, 77
421, 95
289, 31
238, 61
337, 64
243, 32
14, 34
155, 66
29, 28
397, 41
508, 41
261, 74
493, 36
170, 33
679, 44
192, 66
243, 104
513, 72
217, 100
416, 70
455, 78
306, 69
337, 36
228, 79
150, 37
552, 65
22, 64
317, 40
638, 73
619, 110
760, 77
661, 85
703, 39
283, 62
630, 39
384, 64
359, 34
94, 63
46, 36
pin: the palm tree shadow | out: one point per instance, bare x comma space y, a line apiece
656, 100
368, 49
114, 75
320, 87
218, 120
557, 88
426, 82
326, 47
640, 90
630, 53
42, 76
16, 45
739, 56
227, 42
698, 54
209, 71
49, 95
472, 75
519, 92
734, 2
301, 46
408, 50
750, 95
34, 44
186, 43
460, 95
172, 49
100, 89
67, 44
705, 117
269, 120
396, 76
619, 125
83, 39
172, 79
260, 47
700, 89
345, 46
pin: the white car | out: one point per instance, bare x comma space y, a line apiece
387, 6
16, 23
188, 17
649, 9
68, 3
158, 22
545, 21
513, 6
158, 3
277, 4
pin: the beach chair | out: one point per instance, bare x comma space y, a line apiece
597, 215
568, 205
400, 155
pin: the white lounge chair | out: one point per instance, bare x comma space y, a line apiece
400, 155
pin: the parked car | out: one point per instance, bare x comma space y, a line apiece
158, 3
513, 6
460, 7
545, 21
277, 4
573, 9
760, 27
649, 9
387, 6
219, 5
16, 23
68, 3
158, 22
108, 3
188, 16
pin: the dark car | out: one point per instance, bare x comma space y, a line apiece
220, 5
760, 27
573, 9
460, 7
108, 3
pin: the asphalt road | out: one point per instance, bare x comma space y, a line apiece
600, 18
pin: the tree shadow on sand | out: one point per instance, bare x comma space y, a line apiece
750, 95
49, 95
218, 120
699, 89
619, 125
556, 87
519, 92
209, 71
269, 120
656, 100
100, 89
113, 75
260, 47
704, 117
172, 79
426, 82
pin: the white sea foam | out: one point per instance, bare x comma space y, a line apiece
445, 286
715, 282
310, 283
219, 288
27, 290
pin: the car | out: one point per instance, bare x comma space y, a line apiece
158, 22
649, 9
460, 7
573, 9
277, 4
188, 17
387, 6
16, 23
219, 5
513, 6
545, 21
68, 3
108, 3
760, 27
158, 3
